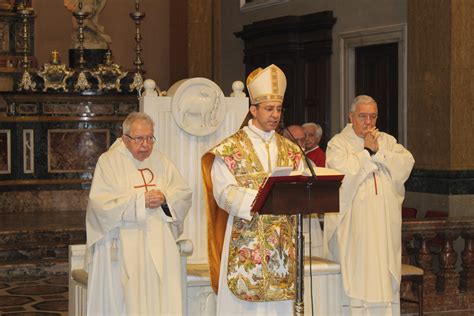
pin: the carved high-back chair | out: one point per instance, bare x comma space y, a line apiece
190, 118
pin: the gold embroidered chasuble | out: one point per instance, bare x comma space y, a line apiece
261, 262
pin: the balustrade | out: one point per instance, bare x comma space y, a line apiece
444, 249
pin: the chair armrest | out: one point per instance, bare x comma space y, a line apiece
185, 247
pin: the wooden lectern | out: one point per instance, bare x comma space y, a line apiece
298, 195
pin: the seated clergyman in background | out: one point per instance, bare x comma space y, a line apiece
251, 256
313, 134
137, 205
296, 134
375, 168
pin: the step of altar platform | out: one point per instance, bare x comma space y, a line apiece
36, 244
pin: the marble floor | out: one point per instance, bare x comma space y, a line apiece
33, 261
35, 296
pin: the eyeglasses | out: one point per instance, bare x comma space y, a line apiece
365, 116
140, 139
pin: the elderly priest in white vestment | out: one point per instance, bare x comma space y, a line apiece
137, 205
375, 168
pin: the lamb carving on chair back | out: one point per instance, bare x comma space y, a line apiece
204, 106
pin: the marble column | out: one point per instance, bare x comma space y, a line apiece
440, 105
195, 47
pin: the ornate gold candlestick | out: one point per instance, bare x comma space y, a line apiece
137, 16
82, 82
26, 15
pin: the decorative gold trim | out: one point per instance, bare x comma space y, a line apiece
269, 97
55, 74
109, 74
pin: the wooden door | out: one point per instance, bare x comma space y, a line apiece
376, 74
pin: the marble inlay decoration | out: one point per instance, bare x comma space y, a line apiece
5, 151
126, 108
75, 150
53, 143
38, 289
3, 106
39, 303
83, 108
14, 300
447, 182
58, 305
4, 37
27, 109
28, 151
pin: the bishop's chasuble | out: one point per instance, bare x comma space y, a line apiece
251, 256
132, 257
369, 228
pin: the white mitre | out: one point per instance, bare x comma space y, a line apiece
267, 84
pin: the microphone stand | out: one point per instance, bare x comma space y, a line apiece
299, 295
306, 159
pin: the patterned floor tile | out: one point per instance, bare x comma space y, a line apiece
46, 296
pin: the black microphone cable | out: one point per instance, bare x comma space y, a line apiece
313, 174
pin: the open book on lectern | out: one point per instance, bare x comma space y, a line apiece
286, 175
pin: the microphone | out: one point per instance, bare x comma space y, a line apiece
306, 159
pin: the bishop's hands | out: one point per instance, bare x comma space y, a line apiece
154, 198
371, 139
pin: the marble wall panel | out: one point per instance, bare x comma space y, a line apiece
43, 200
429, 88
87, 108
4, 37
455, 205
5, 151
3, 107
27, 109
75, 150
28, 151
126, 108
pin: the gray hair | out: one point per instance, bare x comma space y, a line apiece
136, 116
317, 128
361, 99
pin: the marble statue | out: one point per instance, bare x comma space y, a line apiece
94, 36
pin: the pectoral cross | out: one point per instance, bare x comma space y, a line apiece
145, 183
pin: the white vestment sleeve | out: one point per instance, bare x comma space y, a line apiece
107, 209
356, 167
397, 160
231, 197
178, 197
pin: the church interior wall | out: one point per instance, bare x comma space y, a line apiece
53, 27
351, 16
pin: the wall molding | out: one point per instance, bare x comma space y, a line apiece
348, 42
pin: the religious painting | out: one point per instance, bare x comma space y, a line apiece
75, 150
250, 5
5, 151
28, 151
